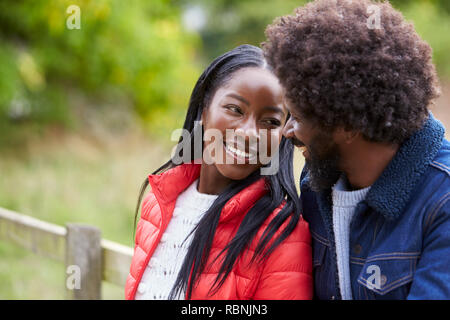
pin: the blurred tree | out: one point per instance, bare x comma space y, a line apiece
137, 49
431, 19
440, 4
233, 22
142, 50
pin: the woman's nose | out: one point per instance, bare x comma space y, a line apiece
248, 129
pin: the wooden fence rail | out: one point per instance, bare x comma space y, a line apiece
88, 258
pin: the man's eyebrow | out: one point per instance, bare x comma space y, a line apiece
238, 97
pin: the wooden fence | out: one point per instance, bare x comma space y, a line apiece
88, 258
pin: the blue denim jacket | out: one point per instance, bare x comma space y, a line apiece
399, 235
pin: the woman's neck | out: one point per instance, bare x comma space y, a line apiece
211, 181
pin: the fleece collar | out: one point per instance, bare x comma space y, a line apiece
394, 188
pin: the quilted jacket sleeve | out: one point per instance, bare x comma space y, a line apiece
287, 274
144, 230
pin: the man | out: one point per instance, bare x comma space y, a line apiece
375, 189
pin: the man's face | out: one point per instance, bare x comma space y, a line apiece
320, 150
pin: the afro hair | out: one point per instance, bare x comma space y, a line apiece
341, 69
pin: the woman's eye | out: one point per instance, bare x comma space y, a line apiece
234, 108
272, 122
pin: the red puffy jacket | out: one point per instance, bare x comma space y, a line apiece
286, 274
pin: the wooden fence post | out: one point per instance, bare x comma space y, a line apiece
83, 262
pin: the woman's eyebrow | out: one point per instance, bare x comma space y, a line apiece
268, 108
275, 109
238, 97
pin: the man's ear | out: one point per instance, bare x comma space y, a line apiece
341, 135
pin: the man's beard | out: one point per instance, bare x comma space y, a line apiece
323, 163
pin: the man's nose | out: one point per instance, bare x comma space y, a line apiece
288, 130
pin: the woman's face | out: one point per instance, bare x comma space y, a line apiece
249, 112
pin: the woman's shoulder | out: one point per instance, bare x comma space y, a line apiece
293, 254
148, 204
301, 230
300, 234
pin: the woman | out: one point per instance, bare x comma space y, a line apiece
220, 229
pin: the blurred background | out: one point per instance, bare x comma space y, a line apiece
86, 114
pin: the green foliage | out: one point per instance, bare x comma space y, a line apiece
431, 20
233, 22
132, 49
138, 53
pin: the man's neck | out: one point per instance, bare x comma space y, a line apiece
363, 162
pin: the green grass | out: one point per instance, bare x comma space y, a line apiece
24, 275
71, 178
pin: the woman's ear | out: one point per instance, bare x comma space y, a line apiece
203, 117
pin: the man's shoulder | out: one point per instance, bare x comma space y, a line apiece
442, 160
437, 215
441, 170
433, 193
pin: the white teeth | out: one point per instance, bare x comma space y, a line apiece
238, 152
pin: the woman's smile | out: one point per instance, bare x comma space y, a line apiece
240, 153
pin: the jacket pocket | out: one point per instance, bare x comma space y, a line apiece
382, 274
324, 281
320, 245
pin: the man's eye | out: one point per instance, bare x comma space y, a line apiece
296, 119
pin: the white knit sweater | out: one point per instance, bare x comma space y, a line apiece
164, 266
344, 204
